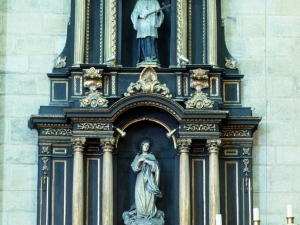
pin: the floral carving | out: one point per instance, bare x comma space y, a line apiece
57, 132
200, 127
235, 133
93, 126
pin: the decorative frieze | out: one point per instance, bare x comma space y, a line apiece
57, 132
93, 126
235, 133
200, 127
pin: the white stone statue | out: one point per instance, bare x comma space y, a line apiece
146, 26
144, 210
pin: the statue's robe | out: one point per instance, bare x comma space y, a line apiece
147, 29
146, 187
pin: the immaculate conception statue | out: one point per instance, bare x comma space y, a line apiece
146, 25
144, 211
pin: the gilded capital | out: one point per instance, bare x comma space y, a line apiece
184, 145
213, 145
78, 143
107, 144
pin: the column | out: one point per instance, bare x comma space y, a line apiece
184, 182
77, 206
214, 181
212, 32
79, 34
107, 194
110, 36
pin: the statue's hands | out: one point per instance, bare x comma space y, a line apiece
143, 16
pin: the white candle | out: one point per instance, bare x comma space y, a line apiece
289, 211
255, 214
218, 219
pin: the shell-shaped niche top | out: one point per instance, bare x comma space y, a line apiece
148, 83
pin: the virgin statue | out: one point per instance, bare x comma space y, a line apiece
144, 210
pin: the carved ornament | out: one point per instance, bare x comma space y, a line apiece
93, 126
230, 63
213, 145
78, 143
200, 127
235, 133
199, 81
45, 169
184, 145
57, 132
107, 144
93, 81
246, 151
60, 62
246, 171
148, 83
45, 150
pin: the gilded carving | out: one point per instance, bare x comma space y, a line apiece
87, 31
93, 81
246, 171
179, 30
216, 86
60, 62
113, 85
107, 144
101, 12
93, 126
204, 32
179, 85
231, 63
45, 169
235, 133
114, 27
200, 127
148, 83
246, 151
78, 143
45, 150
75, 85
184, 145
199, 81
57, 132
213, 145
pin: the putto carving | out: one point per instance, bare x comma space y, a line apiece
235, 133
199, 81
93, 81
57, 132
200, 127
148, 83
231, 63
93, 126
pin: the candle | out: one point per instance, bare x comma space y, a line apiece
218, 219
289, 210
255, 214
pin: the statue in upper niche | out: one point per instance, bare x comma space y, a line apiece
146, 18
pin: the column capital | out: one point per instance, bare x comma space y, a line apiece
184, 145
107, 144
213, 145
78, 143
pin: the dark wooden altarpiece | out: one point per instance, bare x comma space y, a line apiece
217, 115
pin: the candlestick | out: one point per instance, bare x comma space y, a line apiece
256, 222
290, 220
218, 219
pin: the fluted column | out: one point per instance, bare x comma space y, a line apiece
77, 206
184, 182
79, 34
107, 195
212, 32
214, 181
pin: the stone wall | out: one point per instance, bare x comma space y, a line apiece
264, 36
32, 34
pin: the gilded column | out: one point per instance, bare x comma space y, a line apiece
212, 32
184, 182
107, 195
110, 36
77, 206
79, 34
214, 181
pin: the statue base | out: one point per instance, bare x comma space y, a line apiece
129, 218
148, 64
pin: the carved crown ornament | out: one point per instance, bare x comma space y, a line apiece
199, 81
93, 81
148, 83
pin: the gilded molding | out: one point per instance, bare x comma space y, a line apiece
213, 145
185, 86
201, 120
107, 144
106, 85
246, 170
60, 62
231, 63
200, 127
199, 81
93, 81
204, 31
179, 85
190, 12
45, 150
93, 126
75, 84
78, 143
114, 27
211, 86
113, 85
184, 145
87, 31
148, 83
45, 169
101, 12
235, 133
57, 132
246, 151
